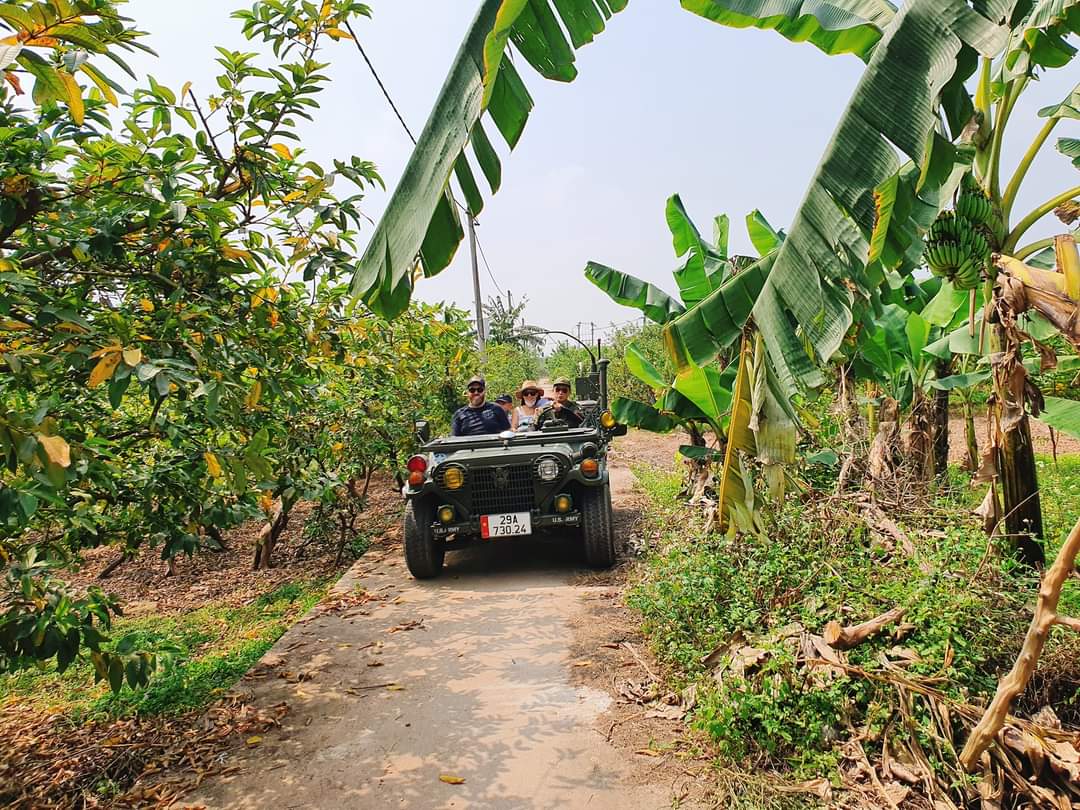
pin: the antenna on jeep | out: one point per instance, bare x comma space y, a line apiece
592, 357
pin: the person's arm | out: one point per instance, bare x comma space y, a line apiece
572, 416
513, 419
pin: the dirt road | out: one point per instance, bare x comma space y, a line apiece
405, 687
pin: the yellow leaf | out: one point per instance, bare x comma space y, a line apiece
66, 326
253, 741
253, 396
74, 96
266, 501
451, 780
185, 90
235, 185
13, 326
212, 465
282, 150
326, 10
292, 195
163, 245
132, 356
337, 447
102, 85
56, 449
229, 252
146, 304
337, 33
104, 350
104, 369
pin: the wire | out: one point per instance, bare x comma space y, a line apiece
487, 266
385, 92
393, 106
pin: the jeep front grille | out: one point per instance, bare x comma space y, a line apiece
502, 489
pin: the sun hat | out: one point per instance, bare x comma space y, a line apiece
529, 385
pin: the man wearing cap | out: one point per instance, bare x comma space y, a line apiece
561, 407
478, 418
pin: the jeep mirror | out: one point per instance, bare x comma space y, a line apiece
423, 431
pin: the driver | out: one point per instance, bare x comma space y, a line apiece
478, 418
561, 407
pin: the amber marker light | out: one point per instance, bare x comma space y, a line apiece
446, 514
590, 468
563, 504
607, 420
453, 478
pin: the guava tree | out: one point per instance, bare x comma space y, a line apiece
168, 305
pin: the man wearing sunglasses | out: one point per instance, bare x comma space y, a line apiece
478, 418
561, 407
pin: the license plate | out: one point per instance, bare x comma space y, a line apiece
510, 524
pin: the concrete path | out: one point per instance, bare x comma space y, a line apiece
468, 676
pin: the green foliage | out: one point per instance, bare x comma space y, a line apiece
177, 347
506, 367
214, 646
703, 592
506, 324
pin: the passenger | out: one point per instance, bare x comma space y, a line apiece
562, 407
506, 402
531, 397
479, 418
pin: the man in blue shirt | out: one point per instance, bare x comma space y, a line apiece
479, 418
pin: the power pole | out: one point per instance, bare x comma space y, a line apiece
592, 326
480, 338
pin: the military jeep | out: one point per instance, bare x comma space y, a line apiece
467, 490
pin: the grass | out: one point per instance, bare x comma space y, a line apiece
820, 562
216, 645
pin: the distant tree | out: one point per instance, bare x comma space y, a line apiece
506, 324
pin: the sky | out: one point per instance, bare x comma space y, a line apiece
665, 102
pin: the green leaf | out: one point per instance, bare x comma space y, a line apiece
641, 368
943, 307
704, 387
1070, 148
836, 26
479, 79
1069, 108
629, 291
641, 415
1040, 38
1062, 414
702, 269
762, 235
918, 333
954, 381
696, 452
18, 18
823, 261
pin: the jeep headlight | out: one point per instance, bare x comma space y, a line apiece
607, 420
453, 477
547, 468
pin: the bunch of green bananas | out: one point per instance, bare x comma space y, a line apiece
958, 246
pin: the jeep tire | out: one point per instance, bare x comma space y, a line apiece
424, 552
596, 527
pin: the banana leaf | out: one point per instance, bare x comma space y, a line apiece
704, 267
954, 381
641, 415
1062, 414
641, 368
808, 297
421, 221
836, 26
631, 291
763, 236
1040, 38
740, 438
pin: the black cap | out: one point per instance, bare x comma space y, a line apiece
504, 398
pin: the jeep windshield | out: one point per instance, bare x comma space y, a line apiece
517, 439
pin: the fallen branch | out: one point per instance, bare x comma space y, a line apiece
844, 638
1014, 684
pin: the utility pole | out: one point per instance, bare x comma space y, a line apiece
476, 285
592, 326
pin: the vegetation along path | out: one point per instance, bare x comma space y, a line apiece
478, 689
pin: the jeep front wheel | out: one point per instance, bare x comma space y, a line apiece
424, 552
596, 527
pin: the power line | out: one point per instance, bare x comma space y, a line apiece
393, 106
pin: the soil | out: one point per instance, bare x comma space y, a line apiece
1040, 435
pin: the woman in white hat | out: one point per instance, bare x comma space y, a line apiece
531, 400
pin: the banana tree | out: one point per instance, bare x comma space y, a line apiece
699, 397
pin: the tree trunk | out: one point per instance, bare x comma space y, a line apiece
941, 422
920, 423
268, 537
971, 439
1020, 492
